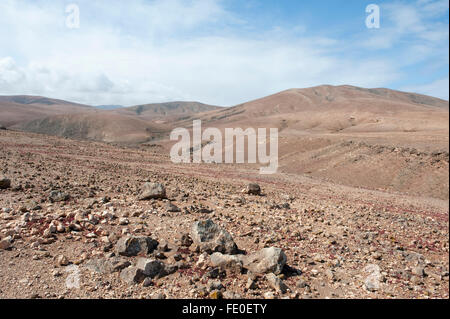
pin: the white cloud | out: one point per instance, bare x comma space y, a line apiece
139, 51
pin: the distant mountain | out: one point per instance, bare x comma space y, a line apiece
108, 107
22, 108
166, 111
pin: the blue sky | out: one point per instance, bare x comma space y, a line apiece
220, 52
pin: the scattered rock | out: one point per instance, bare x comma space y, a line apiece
152, 191
132, 246
58, 196
233, 263
5, 244
267, 260
171, 208
150, 267
132, 275
276, 283
253, 189
5, 182
61, 260
210, 238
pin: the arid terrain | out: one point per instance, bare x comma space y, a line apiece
92, 206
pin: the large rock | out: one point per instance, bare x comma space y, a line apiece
58, 196
211, 238
267, 260
132, 275
132, 246
253, 189
106, 266
233, 263
150, 267
4, 182
152, 191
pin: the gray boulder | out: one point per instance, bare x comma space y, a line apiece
211, 238
4, 182
132, 246
227, 262
152, 191
253, 189
132, 275
58, 196
267, 260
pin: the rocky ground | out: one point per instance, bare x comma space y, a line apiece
91, 220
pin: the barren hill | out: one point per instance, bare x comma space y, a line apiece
97, 126
166, 111
372, 138
21, 108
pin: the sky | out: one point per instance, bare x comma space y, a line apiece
221, 52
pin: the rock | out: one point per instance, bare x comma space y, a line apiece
152, 191
105, 266
269, 295
301, 284
216, 294
251, 284
267, 260
5, 244
150, 267
202, 260
210, 238
132, 246
253, 189
62, 260
186, 240
132, 275
5, 182
372, 283
231, 295
419, 271
148, 282
215, 285
276, 283
58, 196
227, 262
158, 295
171, 208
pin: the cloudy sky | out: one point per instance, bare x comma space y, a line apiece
221, 52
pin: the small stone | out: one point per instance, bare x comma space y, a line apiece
301, 284
276, 283
251, 284
171, 208
418, 271
152, 191
5, 244
215, 295
5, 182
269, 295
62, 260
253, 189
